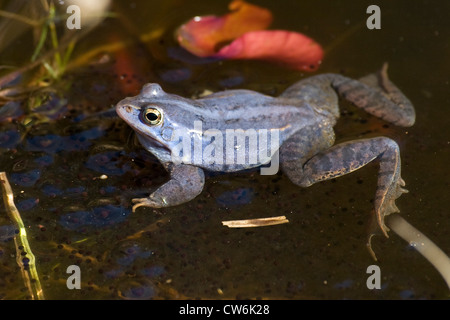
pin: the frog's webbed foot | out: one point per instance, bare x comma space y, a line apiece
385, 200
384, 207
186, 182
350, 156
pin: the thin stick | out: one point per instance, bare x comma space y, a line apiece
251, 223
24, 256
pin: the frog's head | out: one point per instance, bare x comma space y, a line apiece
156, 116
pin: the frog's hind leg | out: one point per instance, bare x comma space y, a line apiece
350, 156
374, 93
383, 99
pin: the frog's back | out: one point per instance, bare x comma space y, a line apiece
245, 109
254, 116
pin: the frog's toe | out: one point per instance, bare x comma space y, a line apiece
386, 207
144, 202
387, 204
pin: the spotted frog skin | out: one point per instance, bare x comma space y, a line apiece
304, 115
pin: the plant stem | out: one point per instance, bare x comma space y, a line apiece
54, 36
20, 18
23, 249
421, 243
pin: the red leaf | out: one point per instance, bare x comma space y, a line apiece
292, 49
244, 26
202, 35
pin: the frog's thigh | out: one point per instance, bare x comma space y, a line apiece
350, 156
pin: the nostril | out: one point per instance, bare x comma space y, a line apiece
128, 109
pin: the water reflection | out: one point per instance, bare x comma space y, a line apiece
107, 163
52, 143
234, 198
26, 179
8, 232
27, 204
9, 139
137, 290
97, 217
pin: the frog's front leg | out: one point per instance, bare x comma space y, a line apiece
350, 156
186, 182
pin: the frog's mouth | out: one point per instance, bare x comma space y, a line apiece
148, 141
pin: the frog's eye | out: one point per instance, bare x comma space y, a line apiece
152, 116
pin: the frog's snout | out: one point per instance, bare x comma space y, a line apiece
124, 108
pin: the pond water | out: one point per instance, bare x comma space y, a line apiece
74, 169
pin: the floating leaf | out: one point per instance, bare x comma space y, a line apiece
202, 35
292, 49
241, 35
